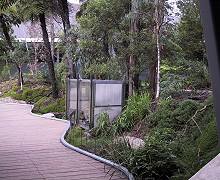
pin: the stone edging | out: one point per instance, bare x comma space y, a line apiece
66, 144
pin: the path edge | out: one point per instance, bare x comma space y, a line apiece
83, 152
98, 158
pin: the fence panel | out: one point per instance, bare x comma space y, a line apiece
86, 101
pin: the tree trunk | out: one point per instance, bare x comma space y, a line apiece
66, 26
136, 82
35, 58
132, 59
49, 56
106, 44
152, 78
63, 4
158, 67
52, 37
131, 76
20, 77
159, 20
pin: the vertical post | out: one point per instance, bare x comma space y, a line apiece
210, 14
77, 100
67, 100
91, 124
123, 94
81, 134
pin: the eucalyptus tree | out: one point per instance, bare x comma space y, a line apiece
104, 31
63, 11
159, 18
38, 11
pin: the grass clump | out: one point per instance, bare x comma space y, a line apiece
46, 105
34, 95
76, 137
138, 106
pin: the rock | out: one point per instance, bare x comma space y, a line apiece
48, 115
134, 142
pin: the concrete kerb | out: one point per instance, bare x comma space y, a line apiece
98, 158
66, 144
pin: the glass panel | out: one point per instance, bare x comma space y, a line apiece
113, 112
108, 94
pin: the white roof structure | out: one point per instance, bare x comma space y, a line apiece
37, 40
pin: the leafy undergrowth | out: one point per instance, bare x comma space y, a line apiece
48, 104
40, 96
180, 138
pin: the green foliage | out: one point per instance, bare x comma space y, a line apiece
19, 55
5, 73
105, 37
76, 137
183, 74
104, 126
209, 139
108, 70
198, 77
42, 76
157, 159
172, 114
31, 9
138, 106
190, 31
28, 95
46, 105
61, 73
34, 95
195, 153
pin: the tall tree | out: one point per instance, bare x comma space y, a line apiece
132, 58
8, 17
37, 10
64, 13
159, 20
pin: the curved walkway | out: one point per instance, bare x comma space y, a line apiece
30, 148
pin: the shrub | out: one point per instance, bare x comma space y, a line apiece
46, 105
157, 160
34, 95
75, 136
61, 74
104, 126
5, 73
163, 114
171, 114
138, 106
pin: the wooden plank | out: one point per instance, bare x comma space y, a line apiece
30, 148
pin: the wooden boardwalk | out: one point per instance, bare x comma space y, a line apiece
30, 148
